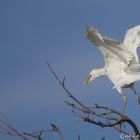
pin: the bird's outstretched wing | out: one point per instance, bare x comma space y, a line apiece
132, 40
112, 42
110, 48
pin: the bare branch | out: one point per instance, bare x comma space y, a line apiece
8, 129
78, 137
62, 83
101, 116
56, 129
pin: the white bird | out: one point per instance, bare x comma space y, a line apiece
121, 59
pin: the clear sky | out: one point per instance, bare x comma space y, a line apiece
35, 31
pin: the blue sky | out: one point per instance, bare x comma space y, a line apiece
35, 31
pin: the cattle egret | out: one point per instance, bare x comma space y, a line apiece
121, 60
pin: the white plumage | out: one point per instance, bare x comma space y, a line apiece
132, 41
121, 59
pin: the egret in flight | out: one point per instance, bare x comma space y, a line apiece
121, 59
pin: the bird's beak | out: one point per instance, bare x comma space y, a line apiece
87, 80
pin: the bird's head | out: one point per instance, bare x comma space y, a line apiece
92, 76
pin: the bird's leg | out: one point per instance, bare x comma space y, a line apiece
123, 109
120, 90
124, 102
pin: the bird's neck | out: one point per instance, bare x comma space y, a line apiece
101, 72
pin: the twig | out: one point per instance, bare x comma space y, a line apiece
56, 129
78, 137
62, 83
8, 129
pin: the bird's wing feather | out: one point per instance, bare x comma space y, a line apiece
112, 42
132, 40
128, 79
109, 48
